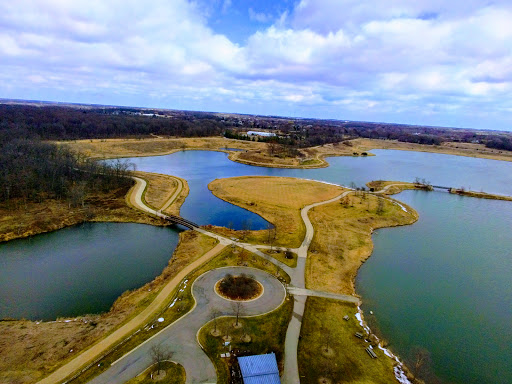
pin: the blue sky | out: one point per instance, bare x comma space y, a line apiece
424, 62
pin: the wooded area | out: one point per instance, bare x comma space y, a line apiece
34, 170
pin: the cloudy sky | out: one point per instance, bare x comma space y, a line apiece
434, 62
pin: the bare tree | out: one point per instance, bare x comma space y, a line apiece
271, 235
160, 353
238, 309
215, 314
380, 206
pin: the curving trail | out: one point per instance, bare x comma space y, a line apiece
291, 367
180, 336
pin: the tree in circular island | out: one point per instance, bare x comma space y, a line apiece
239, 287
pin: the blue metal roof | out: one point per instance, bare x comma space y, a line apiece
259, 369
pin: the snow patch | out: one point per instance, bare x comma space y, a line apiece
398, 369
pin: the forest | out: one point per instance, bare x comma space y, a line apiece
32, 170
55, 122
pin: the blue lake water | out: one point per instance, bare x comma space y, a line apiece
81, 269
442, 284
460, 307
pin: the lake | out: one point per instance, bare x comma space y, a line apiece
456, 257
442, 284
81, 269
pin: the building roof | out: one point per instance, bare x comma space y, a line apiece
259, 133
259, 369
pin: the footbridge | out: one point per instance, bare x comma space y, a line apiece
180, 220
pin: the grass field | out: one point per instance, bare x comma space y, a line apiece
329, 351
278, 200
111, 148
342, 240
174, 374
257, 335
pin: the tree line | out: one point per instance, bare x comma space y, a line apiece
32, 170
81, 122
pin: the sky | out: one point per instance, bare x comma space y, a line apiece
436, 62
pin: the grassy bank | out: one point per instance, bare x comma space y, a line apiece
329, 351
480, 195
278, 200
41, 347
342, 239
20, 219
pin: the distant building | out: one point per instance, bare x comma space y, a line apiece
259, 369
259, 133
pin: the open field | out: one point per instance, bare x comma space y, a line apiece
111, 148
278, 200
342, 240
39, 348
330, 351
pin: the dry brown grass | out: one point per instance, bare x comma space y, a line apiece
396, 186
481, 195
449, 148
29, 351
263, 159
342, 240
19, 219
110, 148
277, 199
161, 188
347, 362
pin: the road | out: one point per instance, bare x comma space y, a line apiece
179, 334
180, 337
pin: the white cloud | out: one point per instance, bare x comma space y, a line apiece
324, 57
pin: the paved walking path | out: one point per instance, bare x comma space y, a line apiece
180, 337
135, 323
327, 295
187, 351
